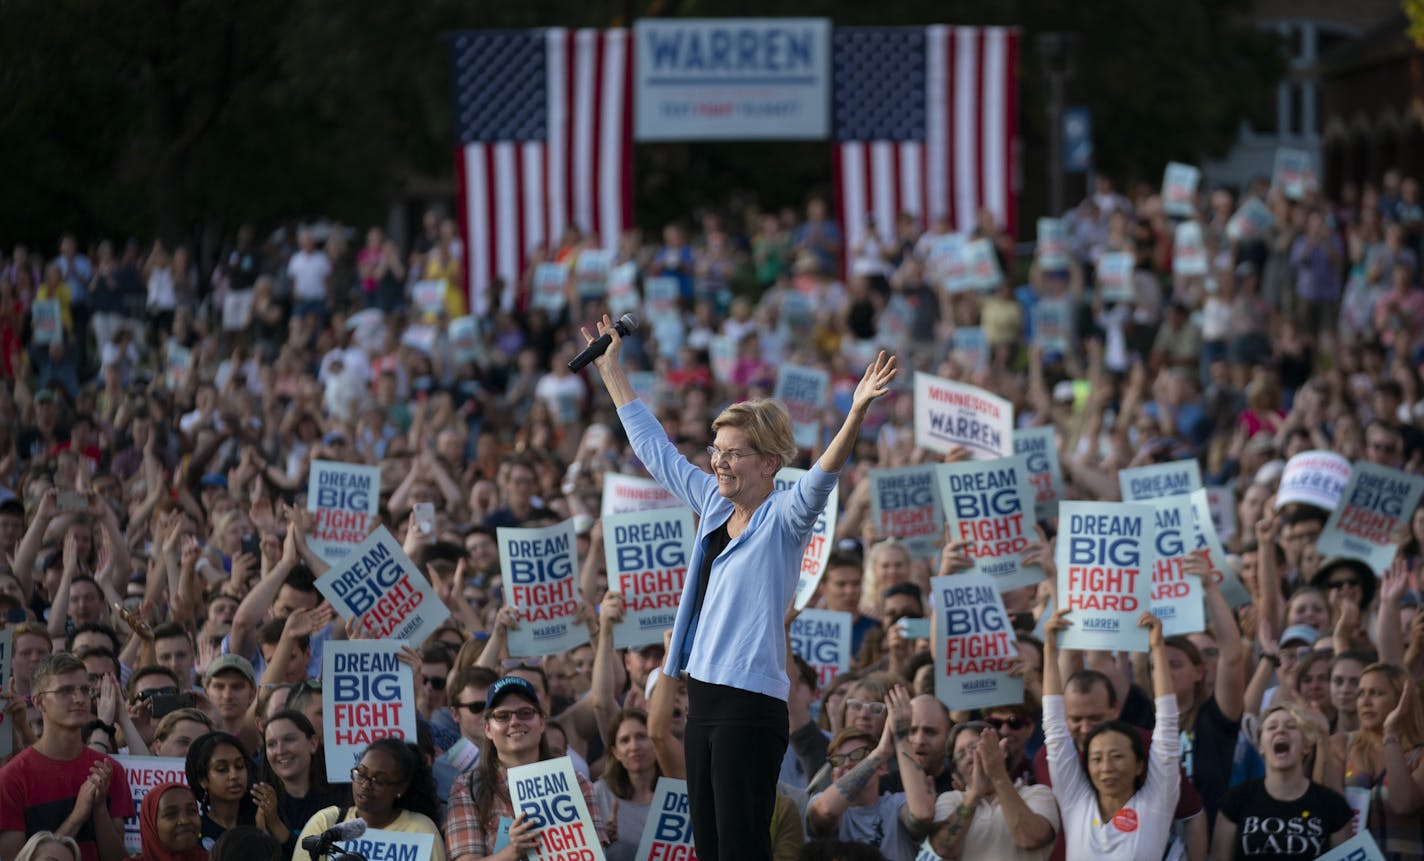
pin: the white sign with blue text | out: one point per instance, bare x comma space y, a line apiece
540, 570
646, 555
975, 646
369, 695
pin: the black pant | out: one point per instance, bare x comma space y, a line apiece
735, 742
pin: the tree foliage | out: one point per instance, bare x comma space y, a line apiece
182, 117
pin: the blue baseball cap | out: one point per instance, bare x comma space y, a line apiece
507, 687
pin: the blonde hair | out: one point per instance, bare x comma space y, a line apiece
1411, 733
1307, 726
40, 838
767, 425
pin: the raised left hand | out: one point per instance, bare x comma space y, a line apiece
875, 383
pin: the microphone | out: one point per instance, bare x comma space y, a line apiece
337, 833
626, 324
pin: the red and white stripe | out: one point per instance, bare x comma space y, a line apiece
516, 196
965, 162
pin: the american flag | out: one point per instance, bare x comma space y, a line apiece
544, 121
924, 123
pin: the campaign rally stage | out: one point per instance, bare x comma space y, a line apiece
646, 555
990, 504
344, 499
540, 569
1105, 559
975, 647
949, 414
369, 695
384, 591
548, 793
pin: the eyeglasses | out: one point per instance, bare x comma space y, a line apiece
473, 708
524, 715
862, 706
839, 759
1012, 724
731, 455
1349, 583
361, 775
84, 692
436, 682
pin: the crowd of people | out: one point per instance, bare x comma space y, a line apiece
159, 415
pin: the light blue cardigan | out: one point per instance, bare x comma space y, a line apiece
740, 640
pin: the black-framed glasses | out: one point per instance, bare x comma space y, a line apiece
504, 716
361, 775
839, 759
473, 708
70, 691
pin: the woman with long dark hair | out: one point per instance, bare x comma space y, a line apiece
728, 636
218, 771
625, 792
514, 735
393, 790
295, 766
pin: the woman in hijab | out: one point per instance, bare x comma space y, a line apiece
170, 825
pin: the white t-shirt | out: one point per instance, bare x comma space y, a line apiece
989, 834
309, 271
162, 296
1141, 829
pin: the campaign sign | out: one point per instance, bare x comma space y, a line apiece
991, 505
625, 493
1174, 478
1250, 222
378, 844
661, 295
237, 310
1376, 503
667, 832
1179, 189
818, 549
1051, 321
344, 499
945, 264
179, 360
1209, 541
822, 639
646, 554
732, 79
1114, 276
1176, 596
550, 280
1188, 250
1052, 244
385, 590
1293, 173
540, 570
1221, 502
428, 296
421, 337
7, 650
971, 346
1361, 847
982, 265
949, 414
975, 648
465, 343
623, 290
548, 792
1045, 473
1314, 477
591, 272
904, 503
369, 695
145, 773
722, 353
46, 322
1105, 559
803, 392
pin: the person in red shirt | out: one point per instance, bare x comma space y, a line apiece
58, 784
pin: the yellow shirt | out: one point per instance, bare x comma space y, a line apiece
406, 823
